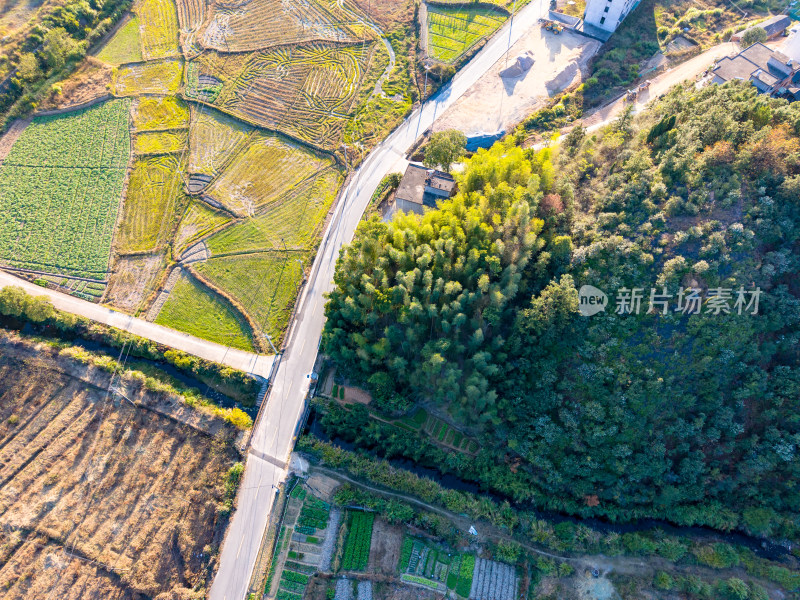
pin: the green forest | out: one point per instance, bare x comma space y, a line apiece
683, 410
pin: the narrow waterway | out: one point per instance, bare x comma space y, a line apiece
763, 548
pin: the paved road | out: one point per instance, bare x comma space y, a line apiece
238, 359
273, 438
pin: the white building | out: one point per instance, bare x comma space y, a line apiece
607, 14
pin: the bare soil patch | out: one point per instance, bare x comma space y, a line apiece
132, 280
90, 82
98, 497
384, 554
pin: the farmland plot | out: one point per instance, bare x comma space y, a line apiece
153, 204
359, 539
198, 221
197, 311
214, 138
160, 113
306, 92
293, 222
160, 142
125, 46
493, 580
261, 24
269, 167
161, 77
59, 190
453, 31
191, 14
158, 27
133, 492
265, 284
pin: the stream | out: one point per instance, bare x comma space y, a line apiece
763, 548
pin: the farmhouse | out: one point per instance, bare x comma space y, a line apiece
775, 27
422, 188
607, 14
769, 71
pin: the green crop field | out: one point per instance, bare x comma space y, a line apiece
359, 538
265, 284
160, 113
154, 202
158, 26
124, 46
214, 138
60, 188
453, 31
268, 167
197, 311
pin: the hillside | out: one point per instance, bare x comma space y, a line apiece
472, 312
103, 496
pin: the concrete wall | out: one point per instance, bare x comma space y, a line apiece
608, 14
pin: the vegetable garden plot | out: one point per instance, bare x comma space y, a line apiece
214, 138
261, 24
59, 191
493, 580
307, 92
269, 167
359, 539
156, 77
158, 27
294, 221
153, 203
265, 284
453, 31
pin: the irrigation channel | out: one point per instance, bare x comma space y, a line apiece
764, 548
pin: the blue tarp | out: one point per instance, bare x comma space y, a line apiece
483, 140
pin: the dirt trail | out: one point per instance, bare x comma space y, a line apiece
623, 565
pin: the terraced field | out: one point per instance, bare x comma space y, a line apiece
158, 27
161, 77
59, 190
282, 165
453, 31
101, 499
125, 46
306, 92
153, 205
160, 142
214, 138
261, 24
160, 113
265, 283
195, 310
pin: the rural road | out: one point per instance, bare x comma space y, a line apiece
238, 359
274, 431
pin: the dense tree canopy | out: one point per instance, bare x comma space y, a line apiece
691, 413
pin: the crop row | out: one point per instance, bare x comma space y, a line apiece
266, 23
93, 137
453, 31
493, 581
359, 539
465, 574
158, 28
58, 220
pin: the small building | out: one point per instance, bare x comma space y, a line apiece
769, 71
607, 14
775, 28
422, 188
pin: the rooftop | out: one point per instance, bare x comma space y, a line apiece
417, 178
756, 62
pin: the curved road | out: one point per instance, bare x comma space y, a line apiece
248, 362
274, 432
